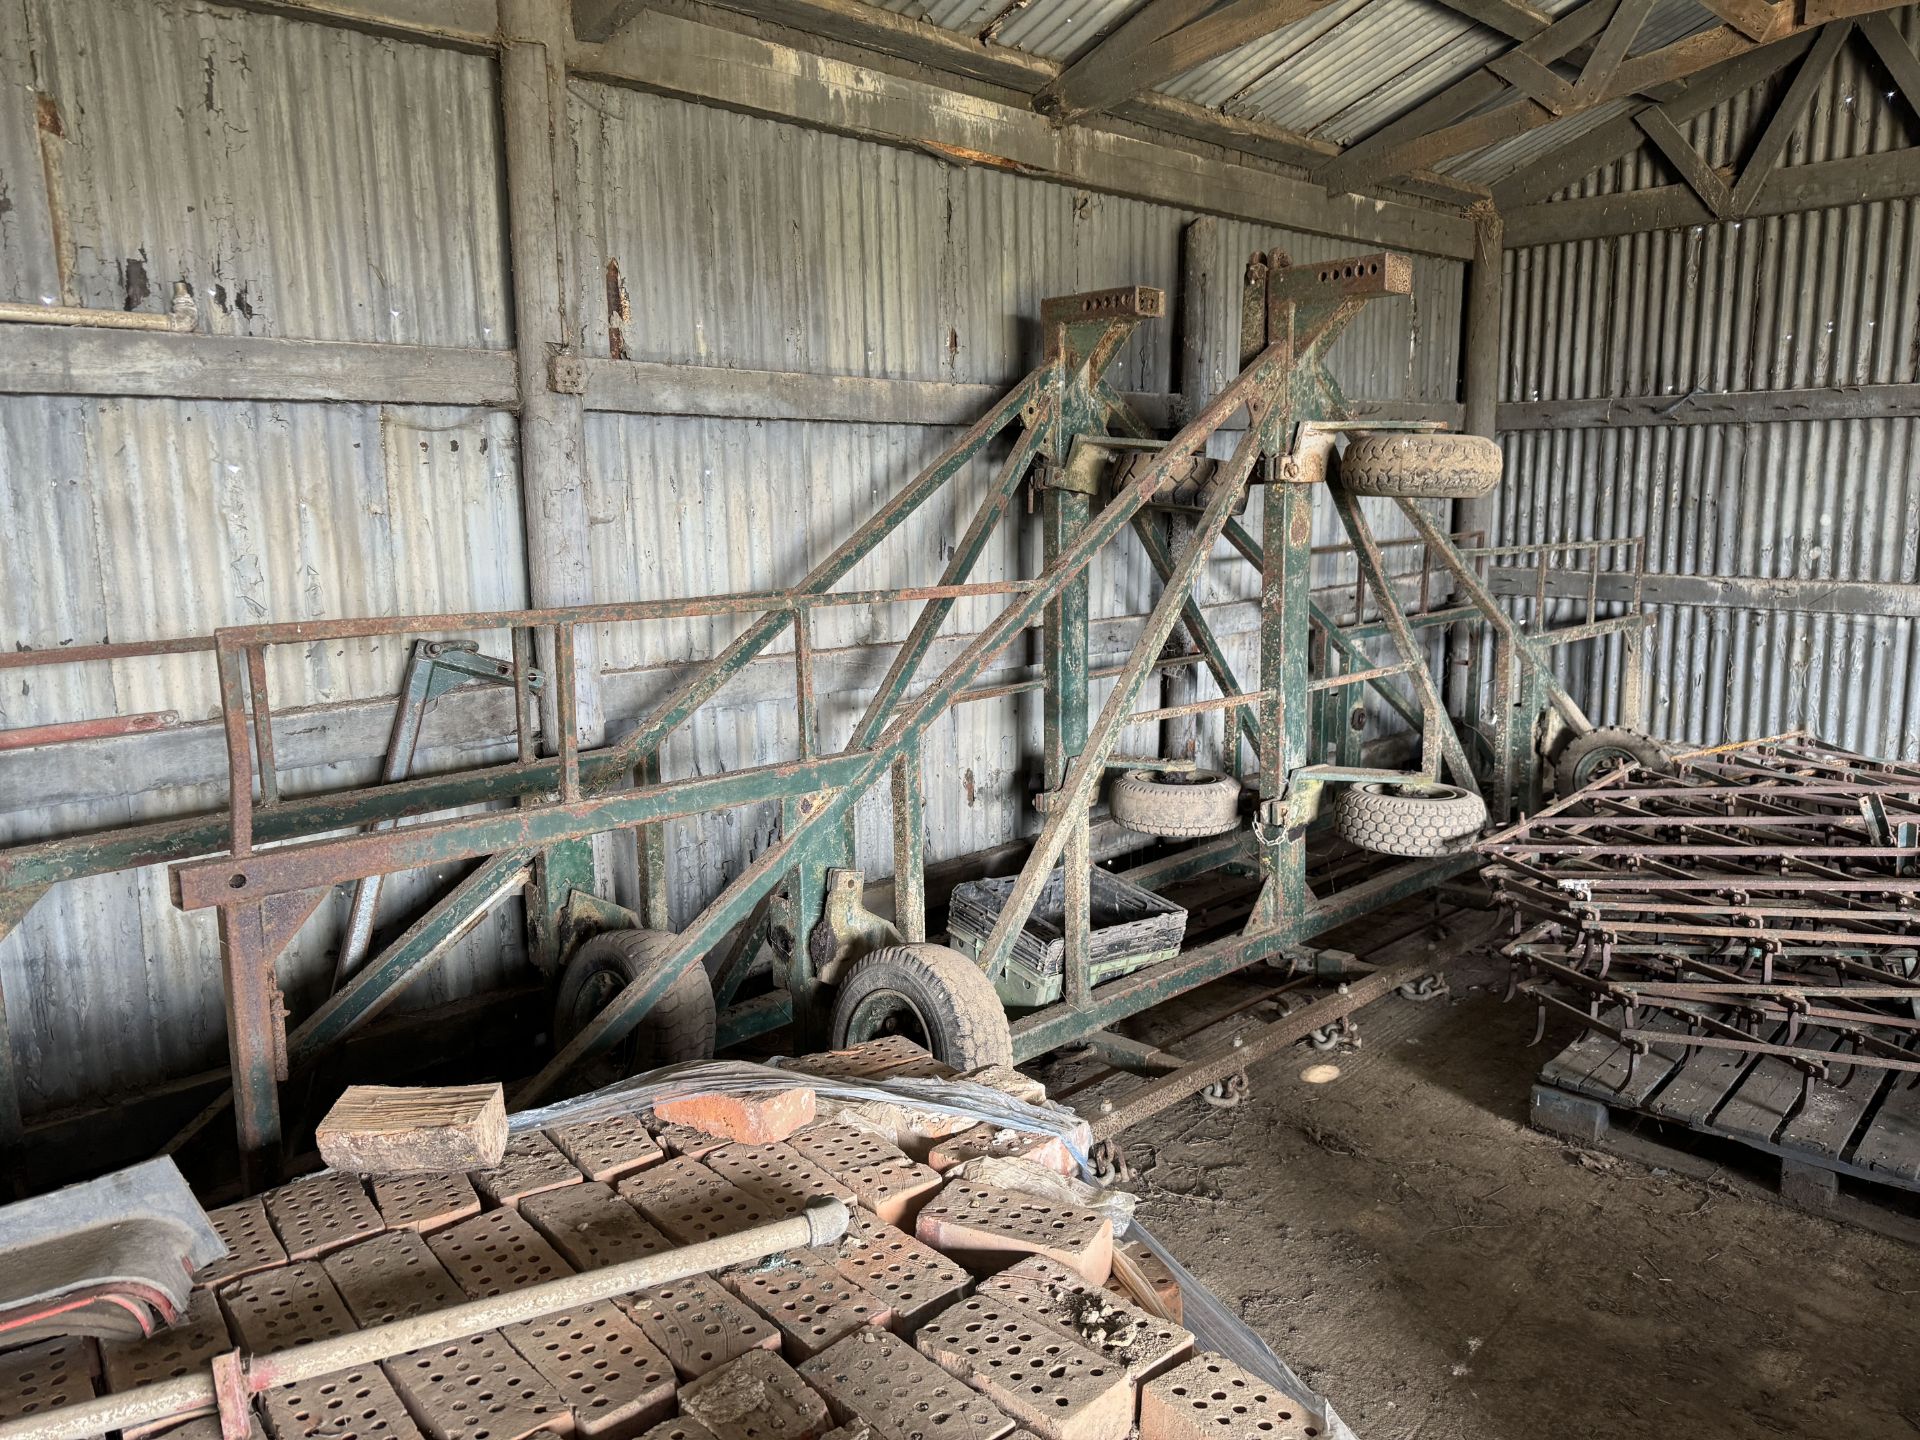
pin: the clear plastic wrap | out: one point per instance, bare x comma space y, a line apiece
1214, 1327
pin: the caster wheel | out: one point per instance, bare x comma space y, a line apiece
1226, 1094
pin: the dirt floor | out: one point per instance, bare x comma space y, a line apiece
1439, 1270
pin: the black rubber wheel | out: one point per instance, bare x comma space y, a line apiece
679, 1027
934, 996
1409, 818
1600, 752
1421, 466
1176, 805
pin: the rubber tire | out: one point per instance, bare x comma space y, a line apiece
962, 1021
1410, 819
1421, 466
680, 1026
1175, 807
1589, 756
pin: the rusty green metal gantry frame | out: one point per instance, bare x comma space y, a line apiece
267, 863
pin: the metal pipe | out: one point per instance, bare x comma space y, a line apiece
823, 1222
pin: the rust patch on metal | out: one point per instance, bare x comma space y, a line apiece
619, 311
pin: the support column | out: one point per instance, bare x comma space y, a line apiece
1194, 357
1064, 668
534, 35
1480, 391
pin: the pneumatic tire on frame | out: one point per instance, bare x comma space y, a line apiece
1415, 465
934, 996
679, 1027
1175, 806
1415, 819
1600, 752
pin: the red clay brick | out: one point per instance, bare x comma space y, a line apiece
1145, 1279
699, 1325
687, 1141
1141, 1344
426, 1201
607, 1371
251, 1244
874, 1379
318, 1213
391, 1277
477, 1389
591, 1226
890, 1055
494, 1252
277, 1309
679, 1428
810, 1303
1060, 1389
757, 1119
1211, 1398
609, 1147
879, 1174
532, 1164
982, 1227
778, 1174
756, 1397
346, 1405
913, 1279
691, 1203
984, 1141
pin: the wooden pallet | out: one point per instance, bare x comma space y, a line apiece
1865, 1128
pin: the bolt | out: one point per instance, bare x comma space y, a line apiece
1106, 1106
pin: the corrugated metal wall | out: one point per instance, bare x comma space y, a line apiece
311, 181
1830, 298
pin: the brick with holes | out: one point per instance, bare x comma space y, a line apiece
1145, 1279
992, 1141
318, 1213
45, 1376
1141, 1344
985, 1228
347, 1405
756, 1397
700, 1325
878, 1173
691, 1203
478, 1388
277, 1309
611, 1376
809, 1302
875, 1379
591, 1226
494, 1252
877, 1059
532, 1163
251, 1244
207, 1427
777, 1173
678, 1428
1211, 1398
756, 1119
167, 1354
914, 1280
608, 1147
424, 1202
1059, 1389
687, 1141
391, 1277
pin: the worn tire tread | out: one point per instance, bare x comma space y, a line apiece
1413, 826
1150, 806
1416, 466
949, 989
682, 1024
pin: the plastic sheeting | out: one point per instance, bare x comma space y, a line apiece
1214, 1327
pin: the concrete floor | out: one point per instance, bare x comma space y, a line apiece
1439, 1270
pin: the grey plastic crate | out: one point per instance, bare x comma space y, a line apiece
1131, 929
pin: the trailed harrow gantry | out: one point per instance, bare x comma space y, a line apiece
267, 864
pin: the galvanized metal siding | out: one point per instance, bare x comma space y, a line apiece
1827, 298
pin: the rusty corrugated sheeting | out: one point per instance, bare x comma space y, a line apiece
1828, 298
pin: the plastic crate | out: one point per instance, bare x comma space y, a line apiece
1131, 929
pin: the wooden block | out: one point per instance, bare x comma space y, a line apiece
477, 1389
756, 1119
318, 1213
989, 1141
532, 1163
424, 1202
812, 1304
1140, 1344
691, 1203
607, 1148
251, 1244
1211, 1398
699, 1325
986, 1228
1059, 1389
494, 1252
608, 1373
347, 1405
757, 1396
880, 1175
914, 1280
405, 1129
591, 1226
391, 1277
1146, 1280
278, 1309
167, 1354
874, 1379
778, 1174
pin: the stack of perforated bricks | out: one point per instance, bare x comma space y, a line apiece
951, 1309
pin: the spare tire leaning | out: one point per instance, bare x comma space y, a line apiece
680, 1026
1420, 465
1413, 818
1175, 805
